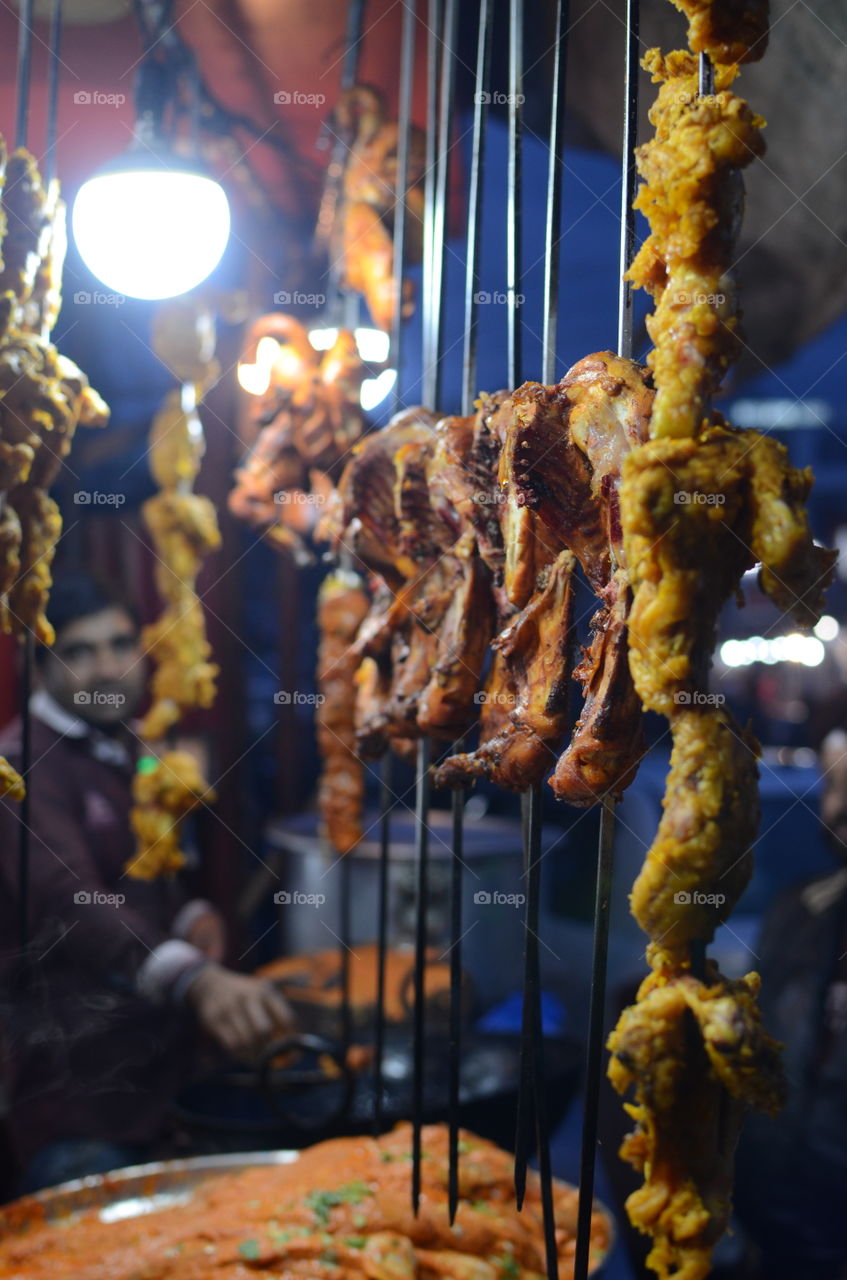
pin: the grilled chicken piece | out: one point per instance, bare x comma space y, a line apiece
697, 1056
530, 683
342, 606
697, 514
608, 741
359, 226
562, 458
446, 707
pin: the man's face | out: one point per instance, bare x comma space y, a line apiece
834, 798
96, 670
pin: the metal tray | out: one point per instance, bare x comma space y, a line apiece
150, 1188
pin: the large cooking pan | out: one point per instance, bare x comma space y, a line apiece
290, 1106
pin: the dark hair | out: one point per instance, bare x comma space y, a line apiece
76, 595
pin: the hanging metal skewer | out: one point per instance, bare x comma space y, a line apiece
483, 60
401, 213
552, 259
433, 288
605, 858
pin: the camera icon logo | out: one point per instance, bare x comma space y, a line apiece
282, 898
682, 898
82, 98
82, 698
282, 698
482, 898
82, 498
82, 897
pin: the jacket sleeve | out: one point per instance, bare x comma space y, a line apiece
73, 917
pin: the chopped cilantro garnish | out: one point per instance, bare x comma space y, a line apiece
360, 1220
464, 1147
320, 1202
355, 1242
482, 1206
386, 1157
330, 1256
509, 1268
249, 1249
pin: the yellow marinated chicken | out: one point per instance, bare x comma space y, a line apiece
184, 527
184, 676
727, 30
701, 860
691, 195
164, 790
696, 1055
176, 444
696, 515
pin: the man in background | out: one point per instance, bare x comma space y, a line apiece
104, 1004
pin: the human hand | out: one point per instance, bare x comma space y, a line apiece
243, 1014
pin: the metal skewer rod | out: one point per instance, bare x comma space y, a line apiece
531, 1002
24, 70
421, 867
345, 930
513, 186
336, 308
483, 59
50, 157
605, 856
552, 254
382, 935
433, 288
401, 209
442, 173
428, 302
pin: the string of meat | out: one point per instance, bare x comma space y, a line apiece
701, 503
43, 398
184, 529
355, 221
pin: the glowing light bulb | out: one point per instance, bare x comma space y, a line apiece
151, 232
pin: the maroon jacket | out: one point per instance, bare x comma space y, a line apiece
87, 1055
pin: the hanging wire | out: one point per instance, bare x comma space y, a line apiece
605, 855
